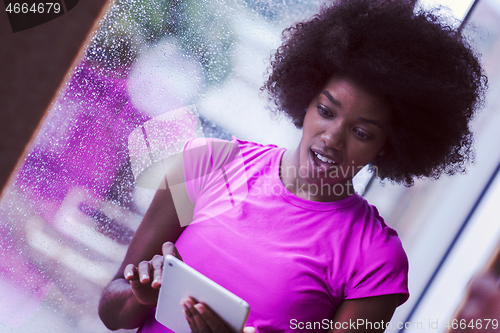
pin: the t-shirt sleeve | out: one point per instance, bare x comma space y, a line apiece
381, 268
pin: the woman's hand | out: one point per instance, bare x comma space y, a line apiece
202, 319
145, 279
122, 303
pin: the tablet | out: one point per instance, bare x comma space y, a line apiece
180, 280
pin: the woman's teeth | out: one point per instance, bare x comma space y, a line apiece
324, 159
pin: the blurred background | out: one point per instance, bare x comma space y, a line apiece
71, 205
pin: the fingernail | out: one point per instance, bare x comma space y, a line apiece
128, 275
200, 308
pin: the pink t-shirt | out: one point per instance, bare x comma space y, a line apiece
291, 259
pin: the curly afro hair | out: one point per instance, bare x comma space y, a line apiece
424, 68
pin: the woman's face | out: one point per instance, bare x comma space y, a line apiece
345, 128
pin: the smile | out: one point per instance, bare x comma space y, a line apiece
323, 158
322, 163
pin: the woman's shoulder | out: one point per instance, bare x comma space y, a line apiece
251, 144
202, 141
369, 212
379, 264
220, 151
372, 226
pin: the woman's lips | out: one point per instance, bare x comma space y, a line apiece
321, 162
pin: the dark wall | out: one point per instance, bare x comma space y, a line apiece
33, 64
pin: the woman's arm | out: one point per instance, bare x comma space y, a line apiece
378, 309
126, 303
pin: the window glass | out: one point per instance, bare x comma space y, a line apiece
74, 205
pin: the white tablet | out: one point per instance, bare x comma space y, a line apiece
179, 281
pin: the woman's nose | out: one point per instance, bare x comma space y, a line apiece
333, 136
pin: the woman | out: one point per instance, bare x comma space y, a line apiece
369, 82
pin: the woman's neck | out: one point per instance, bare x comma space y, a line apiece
313, 190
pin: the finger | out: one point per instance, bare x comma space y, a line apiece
143, 271
130, 272
199, 319
249, 329
189, 320
189, 316
169, 248
157, 267
213, 321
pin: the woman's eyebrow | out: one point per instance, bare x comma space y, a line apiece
370, 121
331, 99
337, 103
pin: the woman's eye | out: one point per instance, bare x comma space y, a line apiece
324, 111
362, 135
